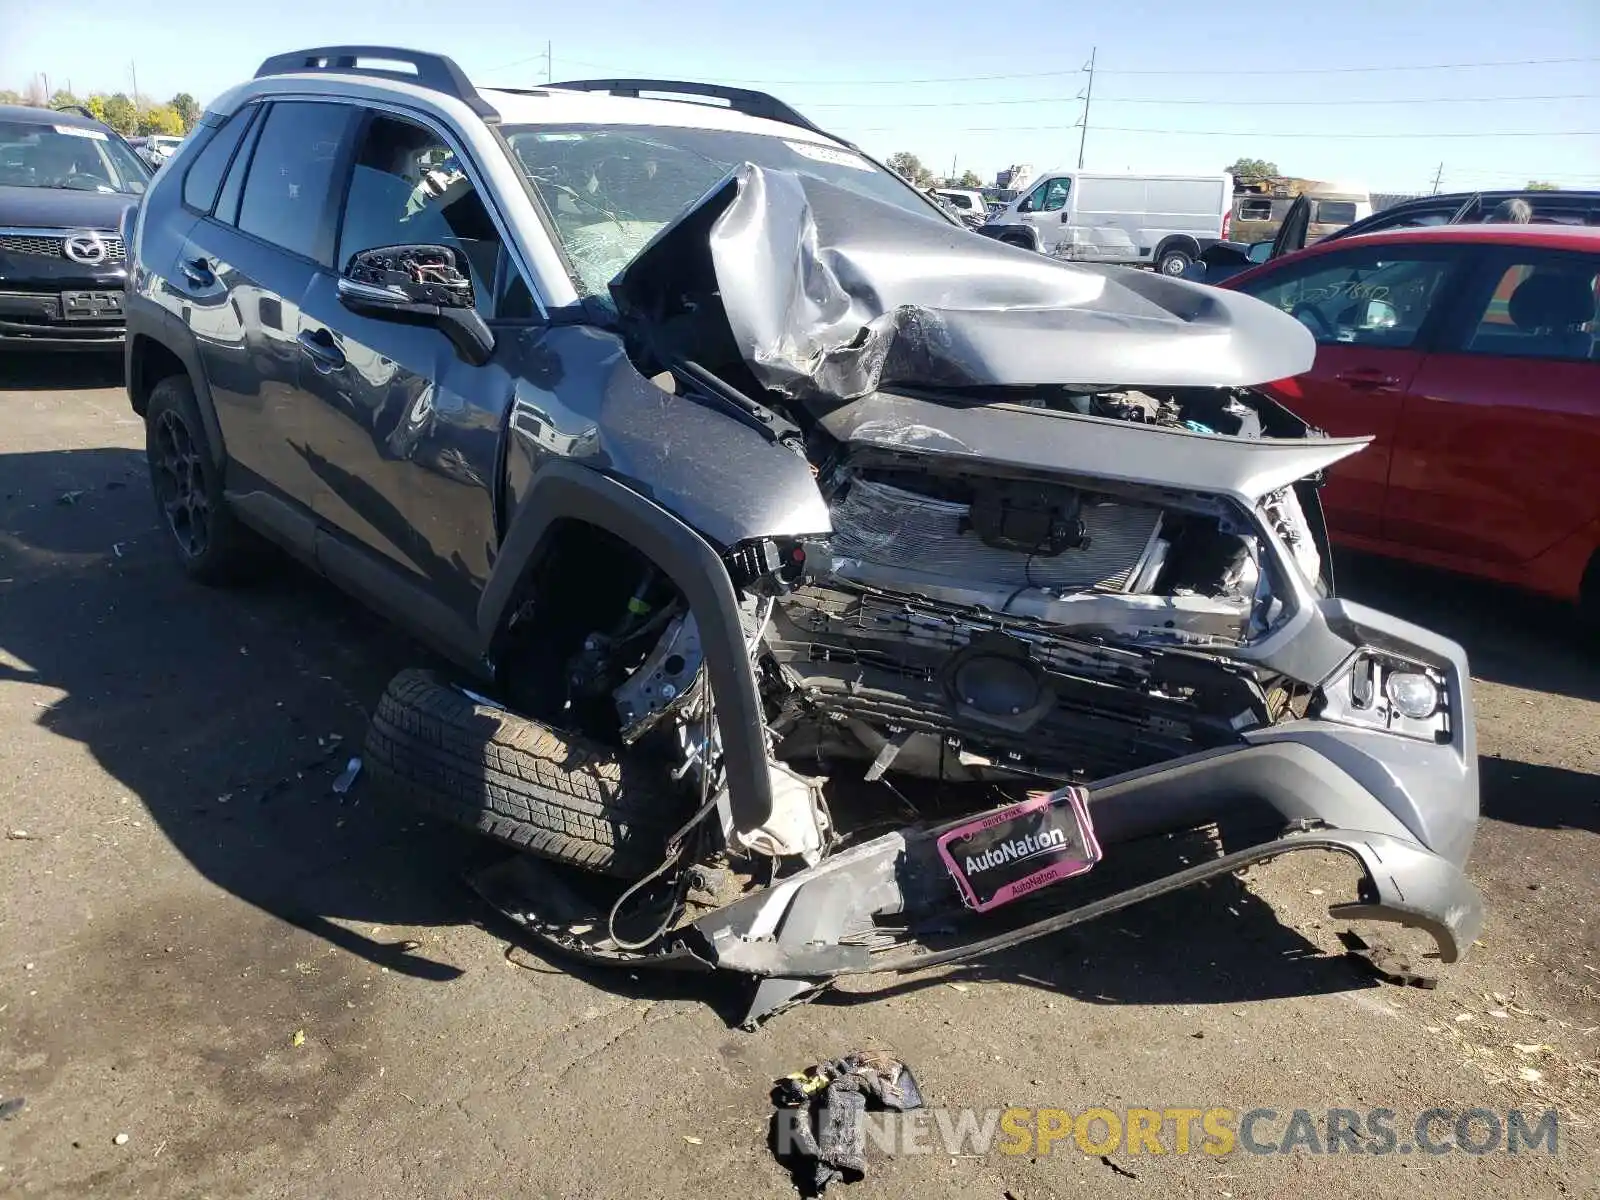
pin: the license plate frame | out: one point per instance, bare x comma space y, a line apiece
94, 304
1006, 854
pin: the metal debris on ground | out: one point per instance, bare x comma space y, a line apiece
817, 1131
10, 1108
1387, 963
347, 777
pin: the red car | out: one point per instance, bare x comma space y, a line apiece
1472, 352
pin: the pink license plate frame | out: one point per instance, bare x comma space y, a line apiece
1052, 829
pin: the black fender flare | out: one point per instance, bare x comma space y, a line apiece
151, 323
563, 490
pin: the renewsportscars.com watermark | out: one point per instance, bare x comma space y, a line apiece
1212, 1131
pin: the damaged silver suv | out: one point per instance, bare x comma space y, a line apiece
758, 503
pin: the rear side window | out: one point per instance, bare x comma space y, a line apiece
287, 191
205, 173
1336, 212
1546, 306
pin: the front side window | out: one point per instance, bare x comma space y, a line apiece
286, 191
610, 190
1364, 297
1051, 196
407, 188
75, 158
1547, 306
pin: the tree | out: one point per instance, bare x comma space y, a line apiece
120, 114
7, 96
969, 179
909, 167
188, 111
1252, 170
62, 99
163, 118
96, 105
1538, 185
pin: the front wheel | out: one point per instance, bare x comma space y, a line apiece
1174, 262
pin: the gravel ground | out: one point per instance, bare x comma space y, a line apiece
275, 993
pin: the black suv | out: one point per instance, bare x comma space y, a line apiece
66, 181
717, 459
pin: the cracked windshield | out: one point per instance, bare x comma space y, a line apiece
611, 190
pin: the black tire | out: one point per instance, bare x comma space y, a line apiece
554, 794
1174, 261
1020, 241
211, 545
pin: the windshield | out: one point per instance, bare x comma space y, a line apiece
610, 190
76, 157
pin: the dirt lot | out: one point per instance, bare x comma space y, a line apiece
203, 948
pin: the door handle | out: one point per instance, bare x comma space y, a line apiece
1367, 378
319, 344
198, 272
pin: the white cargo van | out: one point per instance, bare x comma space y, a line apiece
1095, 216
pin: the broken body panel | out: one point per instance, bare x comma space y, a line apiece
1047, 536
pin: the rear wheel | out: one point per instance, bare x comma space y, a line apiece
1174, 260
212, 546
555, 794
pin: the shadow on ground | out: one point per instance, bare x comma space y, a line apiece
59, 372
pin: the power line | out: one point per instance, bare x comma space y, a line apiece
815, 82
1215, 103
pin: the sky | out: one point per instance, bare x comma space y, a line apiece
1386, 93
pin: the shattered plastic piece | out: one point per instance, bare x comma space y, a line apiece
10, 1108
20, 835
299, 1038
120, 1140
69, 498
347, 777
694, 1141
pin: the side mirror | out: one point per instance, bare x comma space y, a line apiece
1025, 206
1259, 252
418, 285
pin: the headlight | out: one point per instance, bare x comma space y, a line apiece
1413, 695
1383, 691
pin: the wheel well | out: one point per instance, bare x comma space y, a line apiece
150, 363
582, 580
1017, 239
1177, 242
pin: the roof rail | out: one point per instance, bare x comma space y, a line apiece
76, 108
432, 71
751, 104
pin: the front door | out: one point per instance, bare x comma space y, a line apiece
1046, 211
406, 432
1497, 457
1370, 310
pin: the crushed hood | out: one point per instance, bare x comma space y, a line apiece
827, 293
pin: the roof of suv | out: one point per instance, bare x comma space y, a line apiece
29, 115
557, 106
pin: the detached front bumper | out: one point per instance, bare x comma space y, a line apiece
832, 920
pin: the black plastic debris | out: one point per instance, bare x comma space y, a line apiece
818, 1130
10, 1108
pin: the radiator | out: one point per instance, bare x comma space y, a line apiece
901, 530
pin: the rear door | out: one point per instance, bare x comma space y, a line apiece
248, 264
1371, 309
1497, 457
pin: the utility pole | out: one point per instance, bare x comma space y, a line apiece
135, 68
47, 92
549, 65
1088, 96
1437, 175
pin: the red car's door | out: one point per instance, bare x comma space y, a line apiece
1370, 309
1497, 457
